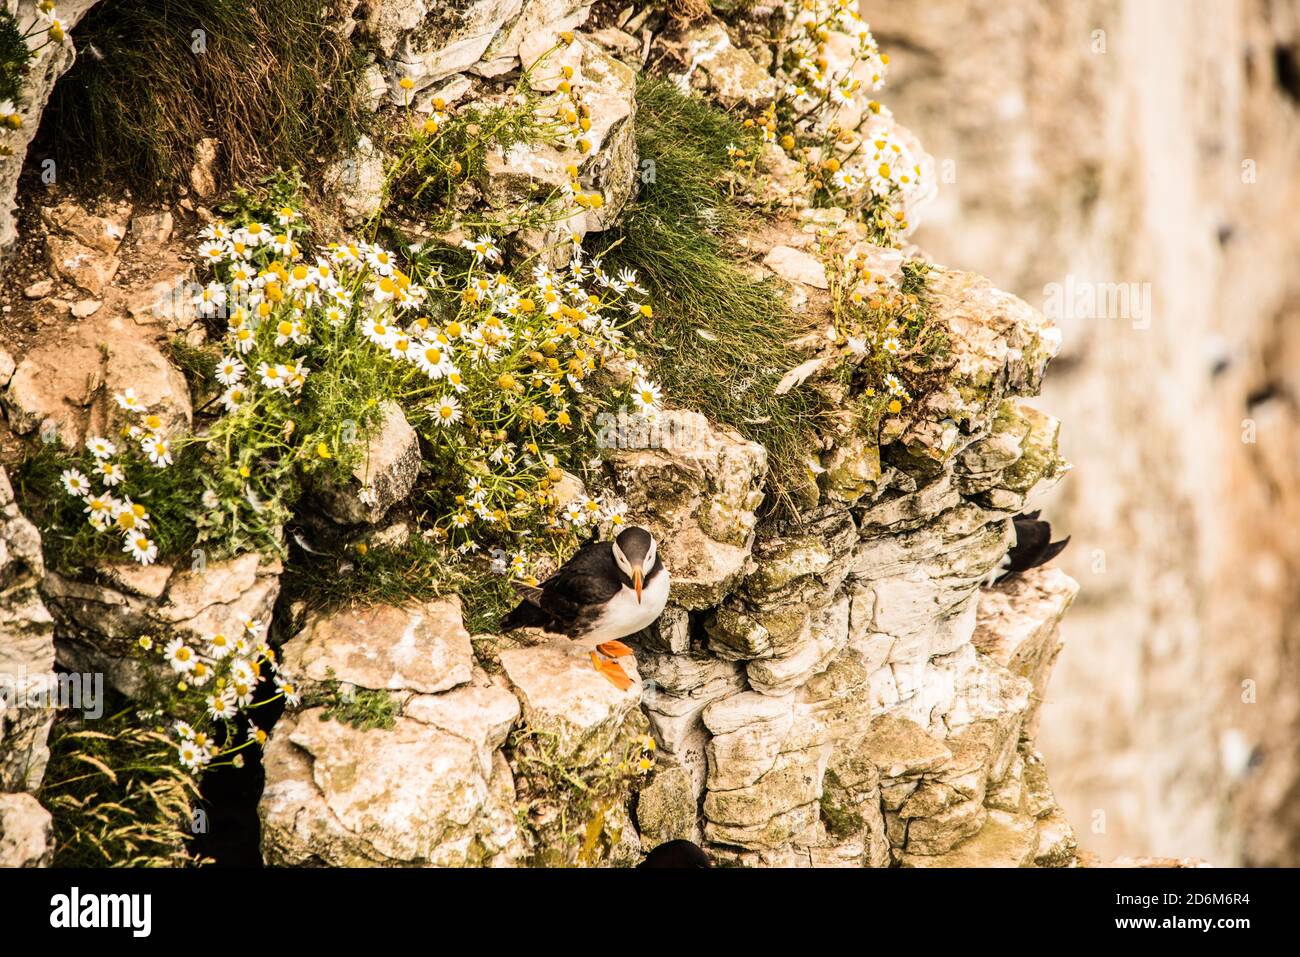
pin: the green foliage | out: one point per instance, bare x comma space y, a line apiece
360, 708
419, 570
439, 163
15, 57
270, 81
719, 341
569, 807
117, 795
172, 496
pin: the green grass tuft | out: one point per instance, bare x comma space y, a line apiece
418, 571
719, 341
271, 81
117, 795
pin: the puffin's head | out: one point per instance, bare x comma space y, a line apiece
634, 550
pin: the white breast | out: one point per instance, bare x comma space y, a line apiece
624, 615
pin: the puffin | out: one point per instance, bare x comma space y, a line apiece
606, 591
1033, 547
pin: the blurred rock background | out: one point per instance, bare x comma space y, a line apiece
1146, 142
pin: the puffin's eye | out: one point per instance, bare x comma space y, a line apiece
650, 555
623, 563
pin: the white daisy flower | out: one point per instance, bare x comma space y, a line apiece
158, 449
243, 341
100, 447
99, 509
180, 655
219, 646
645, 396
229, 370
432, 359
291, 696
130, 517
221, 705
483, 248
128, 400
446, 411
234, 397
76, 483
380, 260
112, 473
191, 755
140, 547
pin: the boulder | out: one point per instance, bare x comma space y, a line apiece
421, 648
385, 474
25, 832
102, 619
412, 794
65, 387
698, 491
563, 695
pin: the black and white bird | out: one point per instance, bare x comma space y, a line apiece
1033, 547
606, 591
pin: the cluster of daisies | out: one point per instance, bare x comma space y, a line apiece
50, 25
105, 510
492, 382
528, 354
831, 68
870, 325
224, 671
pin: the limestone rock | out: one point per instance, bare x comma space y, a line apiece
65, 388
203, 177
151, 227
795, 265
49, 63
999, 346
26, 648
698, 492
900, 748
357, 180
25, 827
85, 267
1005, 840
385, 475
711, 62
423, 648
666, 808
412, 794
1019, 621
562, 694
100, 621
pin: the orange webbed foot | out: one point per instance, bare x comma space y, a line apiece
613, 649
611, 672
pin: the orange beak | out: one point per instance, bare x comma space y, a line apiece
636, 583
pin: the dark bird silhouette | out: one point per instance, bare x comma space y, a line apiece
1033, 547
606, 591
677, 854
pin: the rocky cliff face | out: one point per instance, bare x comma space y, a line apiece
834, 687
1094, 149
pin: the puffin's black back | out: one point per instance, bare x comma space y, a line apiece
1034, 545
677, 854
563, 602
